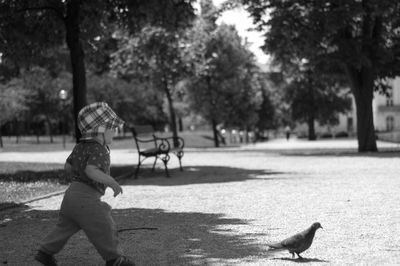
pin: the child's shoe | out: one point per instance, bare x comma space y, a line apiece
121, 261
45, 259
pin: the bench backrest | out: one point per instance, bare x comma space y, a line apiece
144, 136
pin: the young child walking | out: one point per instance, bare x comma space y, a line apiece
81, 208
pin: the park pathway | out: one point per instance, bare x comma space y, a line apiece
229, 202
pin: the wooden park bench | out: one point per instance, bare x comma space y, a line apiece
149, 145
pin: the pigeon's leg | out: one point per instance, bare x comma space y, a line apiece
292, 255
298, 255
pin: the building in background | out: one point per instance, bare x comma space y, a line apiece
386, 113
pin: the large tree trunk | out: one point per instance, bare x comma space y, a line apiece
365, 125
362, 85
212, 115
312, 107
172, 115
1, 138
215, 133
48, 121
311, 127
180, 124
77, 59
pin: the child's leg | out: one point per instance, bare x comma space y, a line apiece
57, 239
100, 229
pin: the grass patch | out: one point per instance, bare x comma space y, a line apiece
19, 192
23, 181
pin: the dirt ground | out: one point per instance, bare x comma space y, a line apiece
227, 203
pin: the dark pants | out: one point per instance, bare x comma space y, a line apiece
82, 208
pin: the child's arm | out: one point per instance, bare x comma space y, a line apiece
68, 167
97, 175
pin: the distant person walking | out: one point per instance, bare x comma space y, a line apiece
287, 131
81, 208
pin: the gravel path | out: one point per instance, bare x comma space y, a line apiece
229, 202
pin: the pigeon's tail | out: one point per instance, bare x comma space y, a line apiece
276, 245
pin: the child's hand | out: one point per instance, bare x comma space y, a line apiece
116, 188
94, 173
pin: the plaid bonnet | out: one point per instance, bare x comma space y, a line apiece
95, 118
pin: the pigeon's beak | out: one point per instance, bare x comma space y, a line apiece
321, 227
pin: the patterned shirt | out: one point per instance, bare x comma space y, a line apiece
89, 152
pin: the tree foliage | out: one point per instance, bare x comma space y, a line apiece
44, 102
30, 29
224, 87
35, 97
153, 56
273, 107
12, 102
358, 38
312, 99
135, 102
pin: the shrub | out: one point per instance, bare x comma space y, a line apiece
342, 134
326, 135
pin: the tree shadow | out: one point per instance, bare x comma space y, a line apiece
32, 172
177, 238
201, 175
10, 205
382, 153
25, 172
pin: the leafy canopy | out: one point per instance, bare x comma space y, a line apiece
326, 32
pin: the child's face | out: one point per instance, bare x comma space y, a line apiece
108, 136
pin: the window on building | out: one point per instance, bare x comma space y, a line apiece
389, 123
389, 98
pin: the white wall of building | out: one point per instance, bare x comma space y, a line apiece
386, 114
388, 108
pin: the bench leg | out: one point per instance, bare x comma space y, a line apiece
165, 160
154, 164
180, 164
179, 154
138, 167
137, 170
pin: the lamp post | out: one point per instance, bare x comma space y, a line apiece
63, 94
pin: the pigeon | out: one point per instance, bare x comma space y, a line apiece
298, 242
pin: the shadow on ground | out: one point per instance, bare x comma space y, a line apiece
178, 238
24, 172
301, 260
31, 172
200, 175
383, 153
